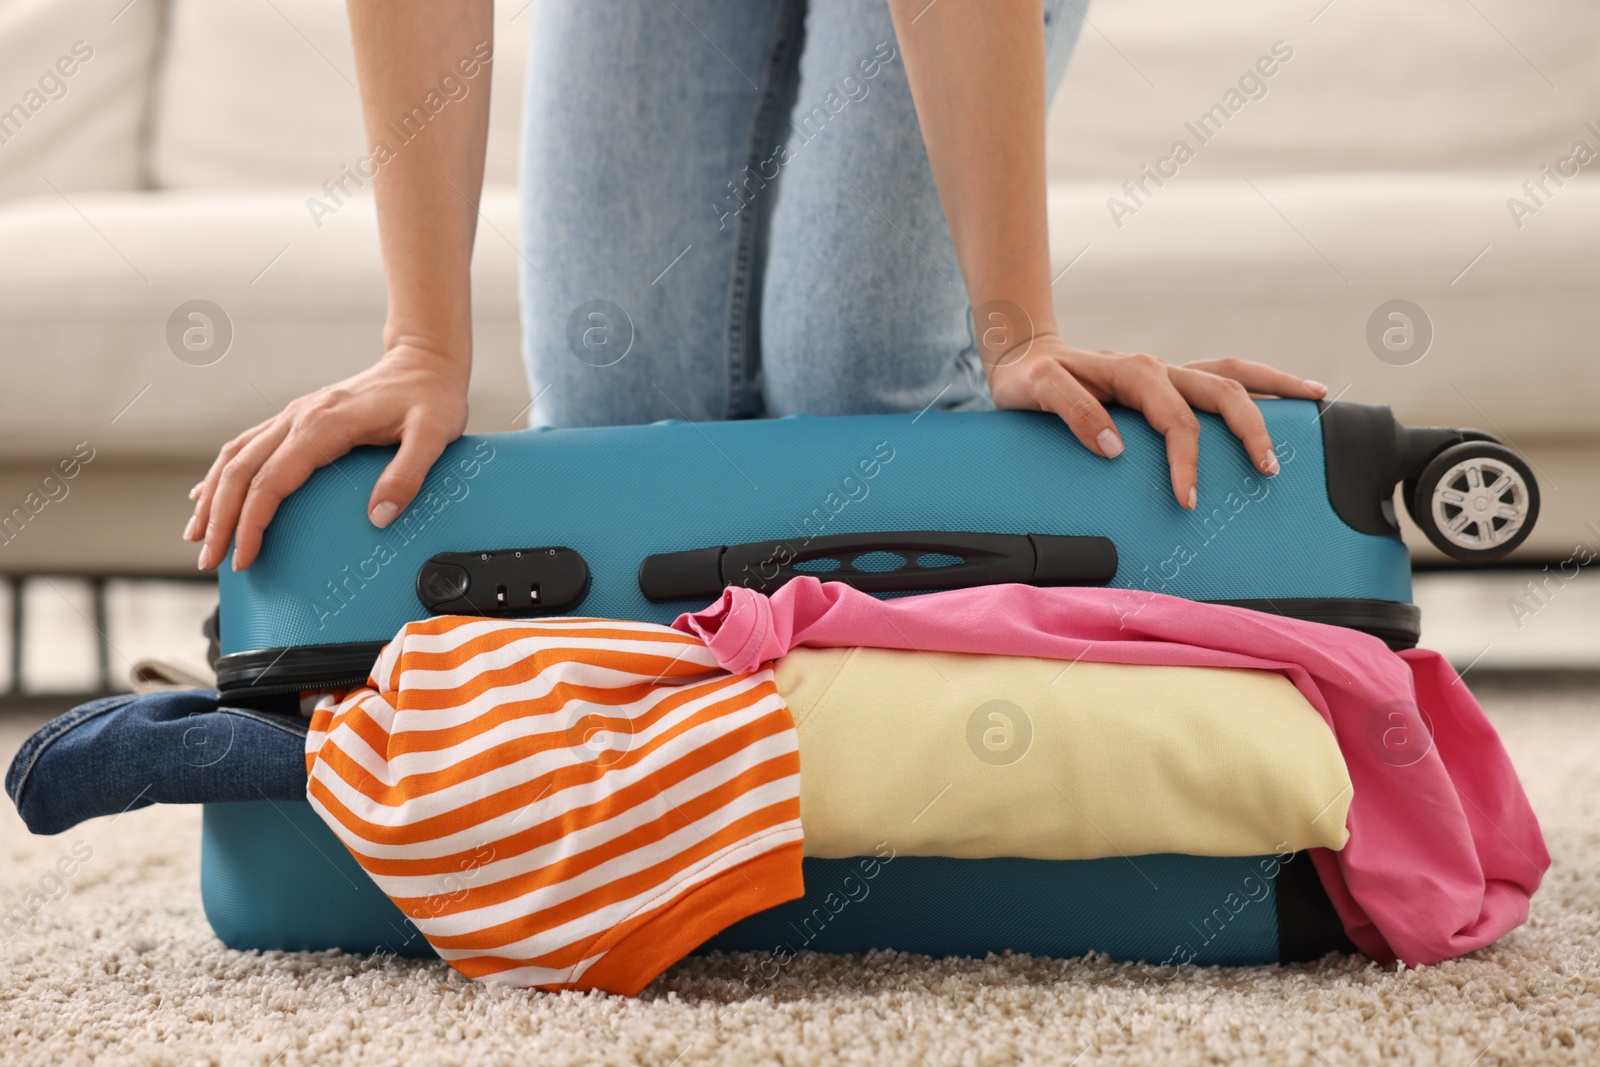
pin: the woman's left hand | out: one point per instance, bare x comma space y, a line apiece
977, 74
1047, 374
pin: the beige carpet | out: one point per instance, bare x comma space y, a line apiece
122, 969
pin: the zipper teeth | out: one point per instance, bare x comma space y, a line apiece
316, 682
279, 688
241, 674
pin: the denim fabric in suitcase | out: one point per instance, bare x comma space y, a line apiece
646, 522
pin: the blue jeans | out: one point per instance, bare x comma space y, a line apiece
728, 212
124, 752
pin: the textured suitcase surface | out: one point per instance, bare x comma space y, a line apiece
326, 576
326, 580
266, 862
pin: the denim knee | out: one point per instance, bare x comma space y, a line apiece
119, 753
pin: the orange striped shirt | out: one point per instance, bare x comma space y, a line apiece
565, 803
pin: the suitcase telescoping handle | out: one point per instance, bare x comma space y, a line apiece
897, 562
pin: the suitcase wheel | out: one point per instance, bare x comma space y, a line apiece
1476, 501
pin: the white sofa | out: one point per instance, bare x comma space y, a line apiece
1374, 163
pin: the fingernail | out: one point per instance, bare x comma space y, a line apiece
200, 564
384, 513
1269, 462
1316, 387
1194, 497
188, 531
194, 494
1110, 443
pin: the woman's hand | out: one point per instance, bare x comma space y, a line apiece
977, 74
1047, 374
427, 202
413, 396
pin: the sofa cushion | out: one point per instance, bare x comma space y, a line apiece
1292, 270
263, 92
89, 298
1371, 85
74, 88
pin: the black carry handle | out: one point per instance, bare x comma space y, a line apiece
979, 559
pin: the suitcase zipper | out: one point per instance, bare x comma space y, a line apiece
276, 671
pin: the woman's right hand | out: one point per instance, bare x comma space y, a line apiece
414, 396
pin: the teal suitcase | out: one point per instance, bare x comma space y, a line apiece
645, 522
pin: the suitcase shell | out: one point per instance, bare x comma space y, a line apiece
274, 877
669, 503
326, 577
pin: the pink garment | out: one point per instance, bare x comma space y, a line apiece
1444, 851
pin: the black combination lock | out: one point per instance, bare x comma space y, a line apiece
520, 581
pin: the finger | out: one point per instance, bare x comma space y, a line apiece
1228, 398
421, 443
232, 486
208, 485
1145, 382
1085, 416
1262, 379
201, 493
284, 471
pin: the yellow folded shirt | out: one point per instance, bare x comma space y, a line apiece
949, 754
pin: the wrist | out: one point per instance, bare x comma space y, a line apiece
439, 347
415, 353
1006, 330
439, 324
